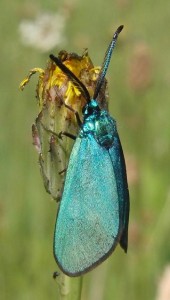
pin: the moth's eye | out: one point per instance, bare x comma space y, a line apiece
87, 110
90, 110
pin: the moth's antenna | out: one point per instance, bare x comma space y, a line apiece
81, 87
106, 62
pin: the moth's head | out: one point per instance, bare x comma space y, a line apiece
91, 108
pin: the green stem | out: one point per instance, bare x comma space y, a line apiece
69, 288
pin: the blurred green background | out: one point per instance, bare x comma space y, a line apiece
139, 78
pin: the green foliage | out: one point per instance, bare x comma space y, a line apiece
139, 78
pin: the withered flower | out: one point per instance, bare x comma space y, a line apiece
54, 93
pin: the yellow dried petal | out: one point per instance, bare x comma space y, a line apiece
27, 79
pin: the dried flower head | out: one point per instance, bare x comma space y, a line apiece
45, 32
54, 93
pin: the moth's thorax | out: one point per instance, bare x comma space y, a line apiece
98, 123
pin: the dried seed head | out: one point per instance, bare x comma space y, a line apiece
54, 93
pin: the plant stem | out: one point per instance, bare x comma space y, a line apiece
69, 288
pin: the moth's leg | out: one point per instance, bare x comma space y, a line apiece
70, 135
79, 122
63, 171
60, 134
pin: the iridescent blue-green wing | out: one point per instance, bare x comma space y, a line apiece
118, 161
88, 225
